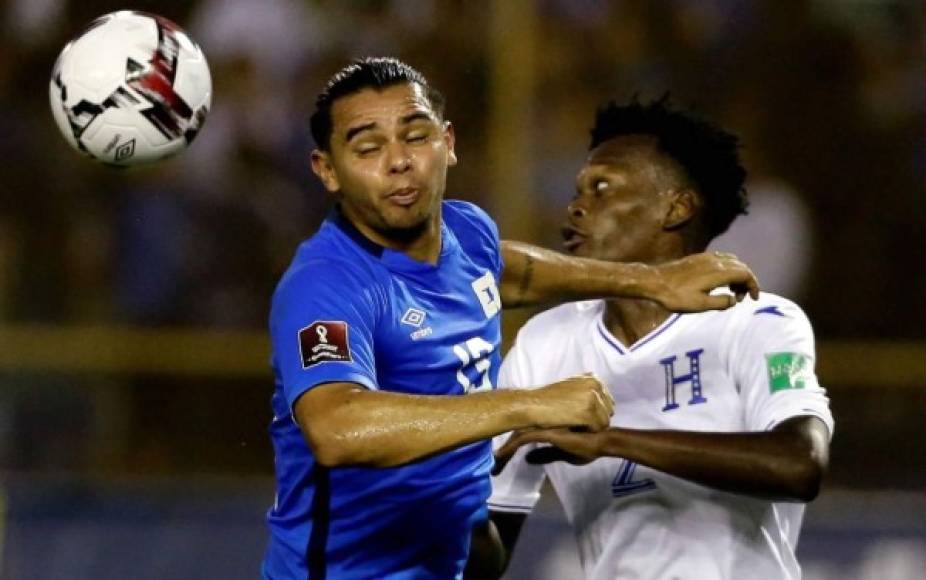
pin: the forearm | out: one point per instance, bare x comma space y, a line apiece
535, 275
777, 465
385, 429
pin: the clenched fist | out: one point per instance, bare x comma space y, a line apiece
578, 402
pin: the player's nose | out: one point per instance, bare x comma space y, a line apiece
576, 209
399, 159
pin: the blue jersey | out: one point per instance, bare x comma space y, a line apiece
348, 310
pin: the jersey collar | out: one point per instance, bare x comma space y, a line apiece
392, 259
643, 341
336, 217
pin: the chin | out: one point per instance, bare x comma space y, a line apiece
406, 229
581, 251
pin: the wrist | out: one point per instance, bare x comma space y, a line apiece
599, 443
637, 280
613, 442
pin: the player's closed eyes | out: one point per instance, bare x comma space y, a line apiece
367, 149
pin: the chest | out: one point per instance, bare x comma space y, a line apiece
681, 380
440, 332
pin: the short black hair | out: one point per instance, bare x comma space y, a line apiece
367, 72
708, 154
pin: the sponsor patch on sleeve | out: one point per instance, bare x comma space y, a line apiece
787, 370
324, 341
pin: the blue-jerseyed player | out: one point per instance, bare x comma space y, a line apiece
388, 314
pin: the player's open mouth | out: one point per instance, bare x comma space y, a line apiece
405, 196
572, 238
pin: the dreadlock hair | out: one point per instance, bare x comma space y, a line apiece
708, 155
368, 72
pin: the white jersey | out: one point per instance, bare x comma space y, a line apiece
744, 369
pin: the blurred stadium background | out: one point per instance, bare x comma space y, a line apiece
134, 386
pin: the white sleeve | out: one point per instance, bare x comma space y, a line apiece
773, 364
517, 487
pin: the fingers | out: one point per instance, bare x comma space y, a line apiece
734, 274
503, 456
752, 285
609, 397
544, 455
742, 279
504, 453
687, 283
578, 401
739, 290
603, 412
597, 415
718, 302
604, 407
500, 463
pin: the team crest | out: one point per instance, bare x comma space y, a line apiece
324, 341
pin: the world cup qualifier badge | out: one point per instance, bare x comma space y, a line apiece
324, 341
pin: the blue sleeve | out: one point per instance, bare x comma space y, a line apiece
321, 327
476, 230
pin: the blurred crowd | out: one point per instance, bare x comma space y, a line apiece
829, 97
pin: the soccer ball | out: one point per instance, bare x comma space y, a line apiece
132, 88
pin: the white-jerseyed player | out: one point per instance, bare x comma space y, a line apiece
720, 431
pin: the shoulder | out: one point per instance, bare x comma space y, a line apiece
560, 322
749, 312
475, 231
465, 216
770, 320
329, 257
315, 276
769, 308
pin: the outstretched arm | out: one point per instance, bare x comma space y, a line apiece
786, 463
346, 424
536, 275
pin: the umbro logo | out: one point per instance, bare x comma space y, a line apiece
413, 317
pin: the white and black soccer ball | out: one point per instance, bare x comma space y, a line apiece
132, 88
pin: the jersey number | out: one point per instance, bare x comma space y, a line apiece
624, 484
473, 374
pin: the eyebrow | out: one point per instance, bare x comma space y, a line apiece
354, 131
416, 116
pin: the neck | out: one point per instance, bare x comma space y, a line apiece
630, 319
421, 243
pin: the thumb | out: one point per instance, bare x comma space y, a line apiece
718, 301
504, 453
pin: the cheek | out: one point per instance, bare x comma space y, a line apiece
433, 160
361, 180
622, 226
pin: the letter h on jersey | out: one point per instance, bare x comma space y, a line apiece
693, 377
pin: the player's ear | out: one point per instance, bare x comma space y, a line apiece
683, 205
450, 138
322, 167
